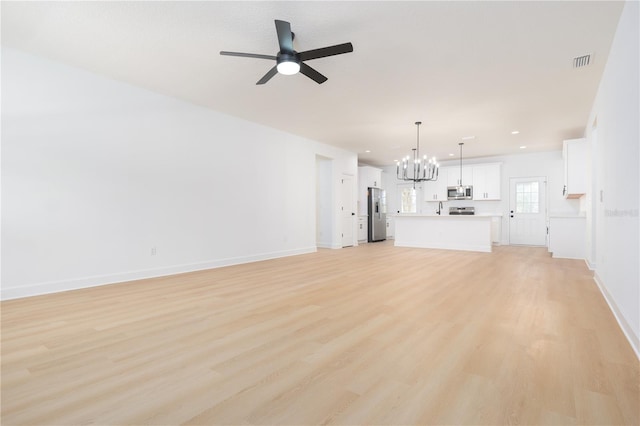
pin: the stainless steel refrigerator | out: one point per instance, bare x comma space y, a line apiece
377, 210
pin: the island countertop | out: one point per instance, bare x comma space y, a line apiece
445, 215
451, 232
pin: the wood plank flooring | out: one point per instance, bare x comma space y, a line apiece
373, 334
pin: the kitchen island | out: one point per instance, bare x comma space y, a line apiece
450, 232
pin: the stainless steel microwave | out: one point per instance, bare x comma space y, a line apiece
460, 193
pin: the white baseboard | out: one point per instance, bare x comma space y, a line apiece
634, 341
324, 245
556, 256
99, 280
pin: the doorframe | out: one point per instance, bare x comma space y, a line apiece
595, 212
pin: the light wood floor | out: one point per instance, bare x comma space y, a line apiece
367, 335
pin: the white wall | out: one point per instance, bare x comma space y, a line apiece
615, 225
97, 173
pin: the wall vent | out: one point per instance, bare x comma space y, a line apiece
581, 61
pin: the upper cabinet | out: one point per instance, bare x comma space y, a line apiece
436, 190
453, 175
486, 181
368, 177
574, 153
485, 178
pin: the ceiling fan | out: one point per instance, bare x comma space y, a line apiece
288, 61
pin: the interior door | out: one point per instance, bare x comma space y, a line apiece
527, 211
347, 210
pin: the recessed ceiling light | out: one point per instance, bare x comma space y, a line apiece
450, 155
523, 147
368, 150
515, 132
467, 138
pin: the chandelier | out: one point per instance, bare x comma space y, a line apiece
417, 169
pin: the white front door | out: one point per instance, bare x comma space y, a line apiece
527, 211
347, 210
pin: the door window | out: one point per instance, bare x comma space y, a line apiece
408, 200
527, 197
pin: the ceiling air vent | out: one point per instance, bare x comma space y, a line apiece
581, 61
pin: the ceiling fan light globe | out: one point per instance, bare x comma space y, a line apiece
288, 67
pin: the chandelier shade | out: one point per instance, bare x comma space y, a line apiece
413, 168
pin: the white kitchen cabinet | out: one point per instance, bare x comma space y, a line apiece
496, 229
486, 182
437, 190
567, 236
368, 177
362, 229
453, 175
390, 227
575, 155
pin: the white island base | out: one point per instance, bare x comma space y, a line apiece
471, 233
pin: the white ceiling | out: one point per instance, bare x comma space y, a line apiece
478, 69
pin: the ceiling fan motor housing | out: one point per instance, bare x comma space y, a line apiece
288, 63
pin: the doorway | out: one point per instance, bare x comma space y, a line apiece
528, 211
598, 234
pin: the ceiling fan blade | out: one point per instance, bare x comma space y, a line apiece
312, 74
338, 49
273, 71
248, 55
285, 38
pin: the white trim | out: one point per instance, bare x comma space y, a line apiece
324, 245
568, 257
591, 266
634, 341
99, 280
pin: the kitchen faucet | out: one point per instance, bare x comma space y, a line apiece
439, 211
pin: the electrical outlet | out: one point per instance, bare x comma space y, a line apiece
153, 251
